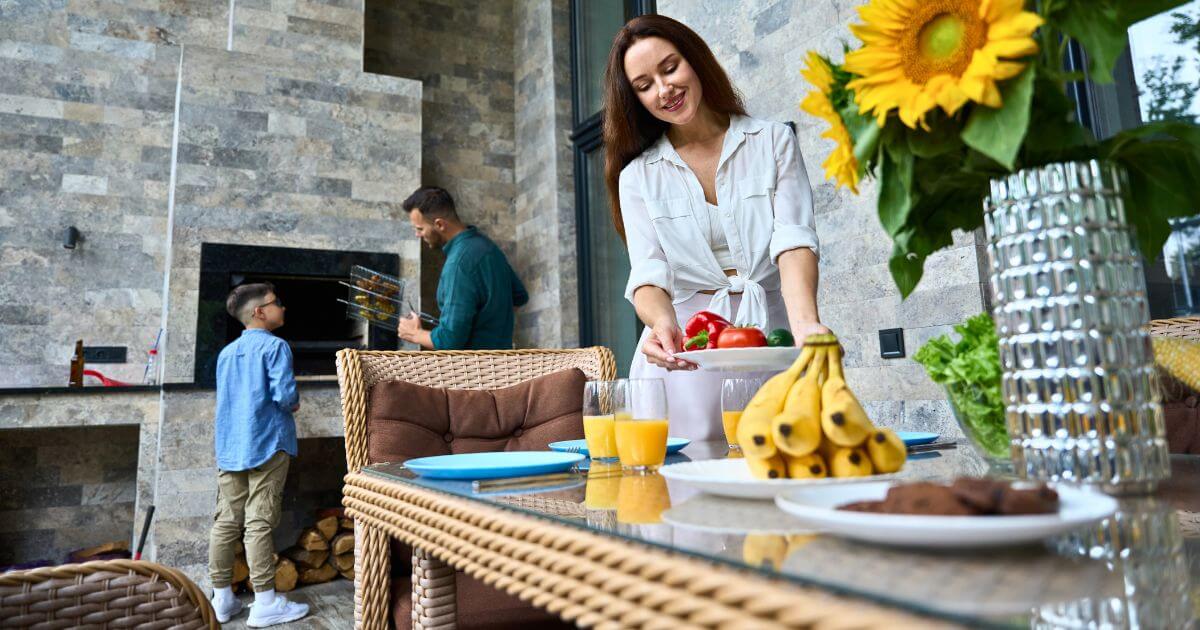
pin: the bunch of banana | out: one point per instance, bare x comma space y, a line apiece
805, 423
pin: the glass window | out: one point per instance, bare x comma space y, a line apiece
597, 22
614, 322
1165, 55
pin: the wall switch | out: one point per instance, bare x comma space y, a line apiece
891, 343
104, 354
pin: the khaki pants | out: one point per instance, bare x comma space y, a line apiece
249, 500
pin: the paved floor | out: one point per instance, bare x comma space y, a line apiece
331, 607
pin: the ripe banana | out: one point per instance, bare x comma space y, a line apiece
764, 550
887, 451
811, 466
850, 462
754, 429
843, 419
772, 467
797, 428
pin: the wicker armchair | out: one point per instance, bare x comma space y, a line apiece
1181, 404
107, 593
434, 596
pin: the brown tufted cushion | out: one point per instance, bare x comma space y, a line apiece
407, 420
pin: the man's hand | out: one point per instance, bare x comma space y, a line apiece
409, 327
803, 329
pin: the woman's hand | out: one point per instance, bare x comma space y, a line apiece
664, 341
802, 329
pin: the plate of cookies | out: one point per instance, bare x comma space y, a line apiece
961, 514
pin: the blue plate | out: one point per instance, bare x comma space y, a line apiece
674, 445
492, 465
914, 438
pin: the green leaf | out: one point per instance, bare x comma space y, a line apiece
1100, 27
907, 268
941, 138
998, 133
895, 186
1054, 134
864, 133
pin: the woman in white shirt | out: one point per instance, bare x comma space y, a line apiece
714, 206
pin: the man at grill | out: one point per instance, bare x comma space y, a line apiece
477, 291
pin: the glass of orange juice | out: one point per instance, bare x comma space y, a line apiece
641, 425
642, 499
600, 402
735, 395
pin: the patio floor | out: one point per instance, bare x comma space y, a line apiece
331, 607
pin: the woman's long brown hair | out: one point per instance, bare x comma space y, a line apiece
629, 128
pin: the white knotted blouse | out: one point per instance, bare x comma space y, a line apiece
764, 208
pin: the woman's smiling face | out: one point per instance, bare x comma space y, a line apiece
663, 80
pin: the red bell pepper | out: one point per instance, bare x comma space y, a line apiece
703, 329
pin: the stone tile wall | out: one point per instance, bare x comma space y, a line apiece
762, 46
545, 202
65, 489
462, 52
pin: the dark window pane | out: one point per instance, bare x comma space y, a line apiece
614, 322
598, 22
1165, 51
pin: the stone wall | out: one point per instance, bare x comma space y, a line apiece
545, 202
65, 489
762, 45
497, 120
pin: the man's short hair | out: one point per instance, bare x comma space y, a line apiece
243, 298
433, 202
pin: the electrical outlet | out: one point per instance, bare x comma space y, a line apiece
891, 343
104, 354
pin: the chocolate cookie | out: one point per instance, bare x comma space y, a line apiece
863, 506
982, 494
927, 499
1037, 500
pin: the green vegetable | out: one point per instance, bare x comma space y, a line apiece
969, 369
780, 337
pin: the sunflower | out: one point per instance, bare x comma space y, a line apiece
921, 54
841, 165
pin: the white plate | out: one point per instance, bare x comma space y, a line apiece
816, 507
732, 478
743, 359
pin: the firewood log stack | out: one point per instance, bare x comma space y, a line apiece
322, 552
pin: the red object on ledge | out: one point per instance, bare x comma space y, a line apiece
104, 380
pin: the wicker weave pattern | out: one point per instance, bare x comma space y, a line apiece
360, 370
372, 582
108, 594
594, 581
1178, 327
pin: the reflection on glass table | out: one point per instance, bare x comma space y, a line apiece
1138, 568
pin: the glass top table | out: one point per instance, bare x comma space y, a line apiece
1139, 568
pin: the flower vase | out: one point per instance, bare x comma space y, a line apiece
1072, 316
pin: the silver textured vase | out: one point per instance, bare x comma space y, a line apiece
1071, 312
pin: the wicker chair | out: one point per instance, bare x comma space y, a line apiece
107, 593
1181, 405
358, 372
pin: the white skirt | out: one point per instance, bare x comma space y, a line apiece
694, 397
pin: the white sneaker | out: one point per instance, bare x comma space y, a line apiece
278, 611
226, 609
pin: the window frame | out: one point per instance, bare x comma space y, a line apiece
586, 137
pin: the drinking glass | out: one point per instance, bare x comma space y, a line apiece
735, 394
600, 402
641, 425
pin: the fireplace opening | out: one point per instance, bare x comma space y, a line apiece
308, 282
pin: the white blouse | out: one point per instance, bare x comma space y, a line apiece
764, 205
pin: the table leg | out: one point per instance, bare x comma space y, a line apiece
434, 599
372, 578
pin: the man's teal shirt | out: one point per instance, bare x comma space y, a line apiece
476, 293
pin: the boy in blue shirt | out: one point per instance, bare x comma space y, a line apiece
255, 441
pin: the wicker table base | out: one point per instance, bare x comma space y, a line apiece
585, 578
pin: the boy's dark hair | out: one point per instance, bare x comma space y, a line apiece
433, 202
245, 295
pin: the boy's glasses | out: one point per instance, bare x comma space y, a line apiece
277, 302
